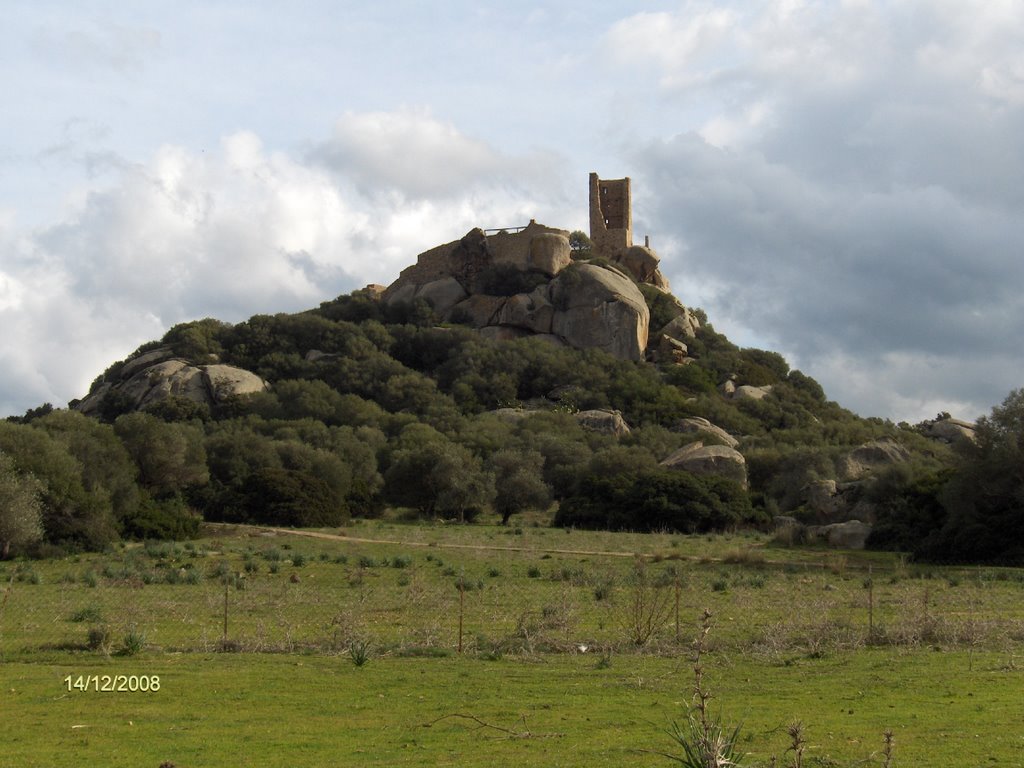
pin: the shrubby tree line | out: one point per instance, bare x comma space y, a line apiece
396, 411
972, 512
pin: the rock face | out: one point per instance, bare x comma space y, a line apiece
704, 426
149, 378
871, 457
606, 422
225, 381
670, 350
583, 305
598, 308
642, 263
949, 430
718, 460
820, 498
683, 327
745, 391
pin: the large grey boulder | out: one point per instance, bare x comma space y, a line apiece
531, 311
670, 350
534, 248
717, 460
705, 427
224, 382
748, 392
950, 430
146, 386
549, 253
683, 327
479, 310
598, 308
871, 457
642, 263
442, 294
605, 422
853, 534
143, 361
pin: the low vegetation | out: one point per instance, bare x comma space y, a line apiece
398, 412
350, 647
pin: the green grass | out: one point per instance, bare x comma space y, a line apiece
283, 710
791, 641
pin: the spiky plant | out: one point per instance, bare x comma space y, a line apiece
704, 740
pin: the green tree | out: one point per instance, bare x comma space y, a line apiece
985, 497
580, 244
169, 457
439, 479
518, 482
197, 340
291, 497
21, 519
106, 468
71, 515
656, 500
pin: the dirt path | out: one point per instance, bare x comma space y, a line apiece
495, 548
432, 545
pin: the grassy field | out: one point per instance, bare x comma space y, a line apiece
574, 650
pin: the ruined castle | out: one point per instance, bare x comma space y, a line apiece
591, 302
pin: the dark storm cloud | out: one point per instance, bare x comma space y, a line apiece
871, 212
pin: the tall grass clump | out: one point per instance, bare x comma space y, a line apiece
132, 643
704, 740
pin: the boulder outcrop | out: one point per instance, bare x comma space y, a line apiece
606, 422
703, 426
717, 460
642, 263
949, 430
871, 457
583, 305
597, 308
153, 376
748, 392
682, 327
670, 350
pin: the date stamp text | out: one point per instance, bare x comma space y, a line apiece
113, 683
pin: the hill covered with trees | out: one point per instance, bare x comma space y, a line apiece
363, 404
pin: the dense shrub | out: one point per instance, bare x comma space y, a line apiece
656, 500
290, 497
168, 518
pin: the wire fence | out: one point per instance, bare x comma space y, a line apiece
329, 598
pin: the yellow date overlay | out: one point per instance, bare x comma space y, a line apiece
113, 683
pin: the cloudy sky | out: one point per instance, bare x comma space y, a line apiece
838, 181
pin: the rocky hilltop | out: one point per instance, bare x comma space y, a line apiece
639, 381
513, 284
158, 375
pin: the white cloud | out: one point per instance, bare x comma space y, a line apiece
851, 194
685, 46
410, 152
240, 231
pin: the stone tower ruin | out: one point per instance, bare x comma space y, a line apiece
611, 216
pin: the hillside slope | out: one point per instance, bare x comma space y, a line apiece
415, 396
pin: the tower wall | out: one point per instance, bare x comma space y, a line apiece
611, 215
